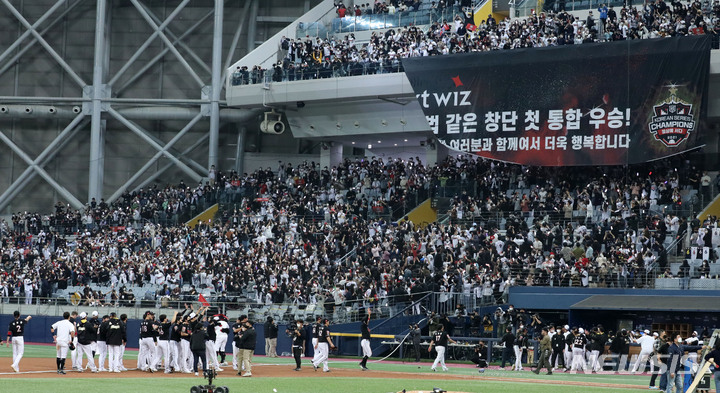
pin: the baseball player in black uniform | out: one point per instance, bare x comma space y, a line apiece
123, 320
440, 340
578, 350
116, 337
324, 344
16, 332
93, 333
148, 343
174, 343
210, 355
162, 329
85, 336
365, 340
298, 342
74, 352
185, 356
102, 344
314, 342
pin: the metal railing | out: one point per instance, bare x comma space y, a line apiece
339, 311
352, 23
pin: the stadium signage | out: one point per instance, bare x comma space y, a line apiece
592, 104
673, 121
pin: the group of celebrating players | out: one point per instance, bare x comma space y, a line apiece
180, 344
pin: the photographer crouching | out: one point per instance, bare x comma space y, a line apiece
479, 356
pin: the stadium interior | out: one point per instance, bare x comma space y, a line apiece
277, 158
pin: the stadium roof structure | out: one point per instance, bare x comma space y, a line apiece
648, 303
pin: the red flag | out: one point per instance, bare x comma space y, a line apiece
203, 301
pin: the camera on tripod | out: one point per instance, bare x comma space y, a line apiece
209, 388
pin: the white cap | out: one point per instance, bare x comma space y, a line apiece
581, 331
567, 327
655, 334
216, 318
192, 315
694, 334
83, 315
94, 313
646, 331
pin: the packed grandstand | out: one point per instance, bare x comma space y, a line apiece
324, 236
450, 31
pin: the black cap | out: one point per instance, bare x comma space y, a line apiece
16, 314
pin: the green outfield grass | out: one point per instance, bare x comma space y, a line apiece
323, 382
288, 385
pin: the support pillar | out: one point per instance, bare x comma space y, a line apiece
331, 154
240, 152
97, 125
216, 86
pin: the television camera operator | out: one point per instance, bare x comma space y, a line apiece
296, 332
416, 336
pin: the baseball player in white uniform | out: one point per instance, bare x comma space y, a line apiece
221, 336
647, 346
63, 335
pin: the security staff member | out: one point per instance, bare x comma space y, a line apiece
246, 344
271, 334
558, 346
85, 336
116, 337
236, 329
365, 340
298, 342
545, 348
16, 332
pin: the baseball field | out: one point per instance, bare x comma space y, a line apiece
276, 375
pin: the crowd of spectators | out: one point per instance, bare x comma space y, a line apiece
340, 55
306, 234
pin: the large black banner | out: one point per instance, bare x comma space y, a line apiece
593, 104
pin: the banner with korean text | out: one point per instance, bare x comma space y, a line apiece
592, 104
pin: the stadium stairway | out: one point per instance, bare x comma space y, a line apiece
206, 215
712, 209
422, 215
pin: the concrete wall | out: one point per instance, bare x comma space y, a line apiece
38, 331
